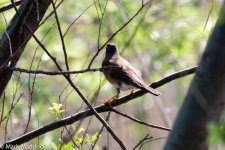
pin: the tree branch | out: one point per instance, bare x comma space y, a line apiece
9, 6
139, 121
100, 109
147, 137
17, 35
61, 36
55, 73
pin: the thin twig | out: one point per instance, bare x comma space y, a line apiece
100, 20
64, 89
29, 115
11, 108
210, 12
86, 131
139, 121
10, 6
71, 137
99, 133
9, 113
31, 91
55, 73
150, 140
49, 15
147, 137
3, 108
14, 6
135, 30
61, 36
77, 19
10, 44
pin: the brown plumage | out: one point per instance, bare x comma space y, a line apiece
122, 74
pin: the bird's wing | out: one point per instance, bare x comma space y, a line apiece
125, 73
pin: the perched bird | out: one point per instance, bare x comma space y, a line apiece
121, 74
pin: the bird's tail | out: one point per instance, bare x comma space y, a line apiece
151, 90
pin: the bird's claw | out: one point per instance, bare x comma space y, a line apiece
109, 101
132, 91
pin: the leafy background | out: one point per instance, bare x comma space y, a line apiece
165, 37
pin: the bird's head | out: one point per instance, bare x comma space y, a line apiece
111, 50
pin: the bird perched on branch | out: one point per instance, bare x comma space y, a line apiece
119, 72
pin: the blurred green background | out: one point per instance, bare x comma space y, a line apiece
165, 37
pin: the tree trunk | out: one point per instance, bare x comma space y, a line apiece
205, 99
17, 35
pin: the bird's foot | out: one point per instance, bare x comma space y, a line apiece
132, 92
109, 101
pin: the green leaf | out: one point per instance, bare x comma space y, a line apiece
92, 138
56, 110
54, 146
68, 146
78, 140
216, 132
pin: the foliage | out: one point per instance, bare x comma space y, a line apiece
56, 110
217, 132
164, 38
80, 140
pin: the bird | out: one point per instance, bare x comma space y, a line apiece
121, 74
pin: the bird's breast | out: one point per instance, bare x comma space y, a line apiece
122, 86
110, 79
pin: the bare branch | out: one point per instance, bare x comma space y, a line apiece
10, 6
14, 6
55, 73
61, 36
151, 140
99, 133
139, 121
210, 12
3, 108
147, 137
9, 113
50, 14
100, 20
